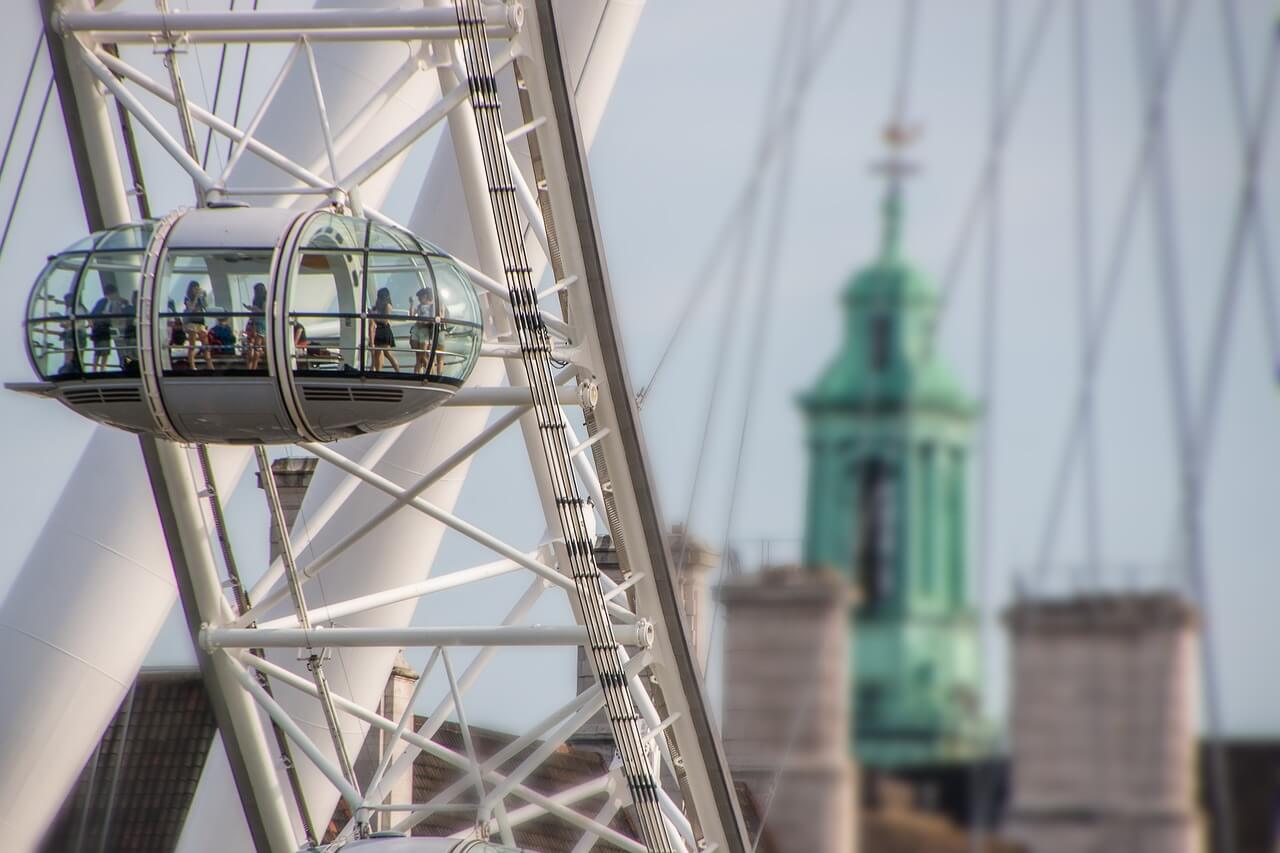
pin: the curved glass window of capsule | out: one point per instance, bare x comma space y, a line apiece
325, 324
213, 311
51, 335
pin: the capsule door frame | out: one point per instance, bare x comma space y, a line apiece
148, 325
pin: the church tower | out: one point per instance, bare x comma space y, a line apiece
888, 438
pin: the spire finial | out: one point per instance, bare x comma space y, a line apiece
895, 167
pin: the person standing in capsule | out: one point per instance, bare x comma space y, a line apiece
422, 334
383, 338
254, 329
101, 328
194, 305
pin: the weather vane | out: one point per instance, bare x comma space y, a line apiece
897, 135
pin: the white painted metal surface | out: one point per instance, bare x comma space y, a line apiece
367, 555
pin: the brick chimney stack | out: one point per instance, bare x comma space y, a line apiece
293, 477
786, 703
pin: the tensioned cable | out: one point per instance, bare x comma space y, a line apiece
1169, 275
978, 198
906, 61
1240, 111
26, 165
204, 86
1247, 222
244, 72
1083, 167
772, 136
732, 302
766, 290
22, 103
1112, 282
989, 332
217, 95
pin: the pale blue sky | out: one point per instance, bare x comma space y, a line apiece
673, 150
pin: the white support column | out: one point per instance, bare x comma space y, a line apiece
203, 599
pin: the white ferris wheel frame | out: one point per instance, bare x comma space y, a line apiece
559, 221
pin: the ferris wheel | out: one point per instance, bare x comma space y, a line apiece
280, 306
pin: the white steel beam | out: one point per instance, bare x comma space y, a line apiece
464, 527
313, 568
299, 738
439, 714
463, 635
210, 120
238, 148
430, 22
505, 395
603, 817
172, 147
317, 521
374, 600
203, 601
430, 117
419, 743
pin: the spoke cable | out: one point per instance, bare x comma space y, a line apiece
217, 95
1112, 284
772, 136
1170, 298
26, 165
22, 103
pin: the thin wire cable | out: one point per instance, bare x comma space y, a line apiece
765, 292
217, 95
1169, 275
1247, 222
906, 61
989, 332
771, 138
1240, 110
729, 312
22, 103
204, 84
979, 197
1112, 284
1083, 167
244, 72
26, 165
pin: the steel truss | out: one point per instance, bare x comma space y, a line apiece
653, 680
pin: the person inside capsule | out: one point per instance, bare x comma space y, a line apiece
194, 306
254, 329
109, 306
384, 339
422, 335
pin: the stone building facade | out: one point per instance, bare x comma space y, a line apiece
786, 704
1103, 724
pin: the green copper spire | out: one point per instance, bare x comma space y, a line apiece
891, 216
888, 436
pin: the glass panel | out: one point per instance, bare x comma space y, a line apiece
109, 287
84, 244
458, 349
54, 295
213, 316
330, 231
402, 311
381, 237
53, 348
324, 312
134, 236
455, 292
